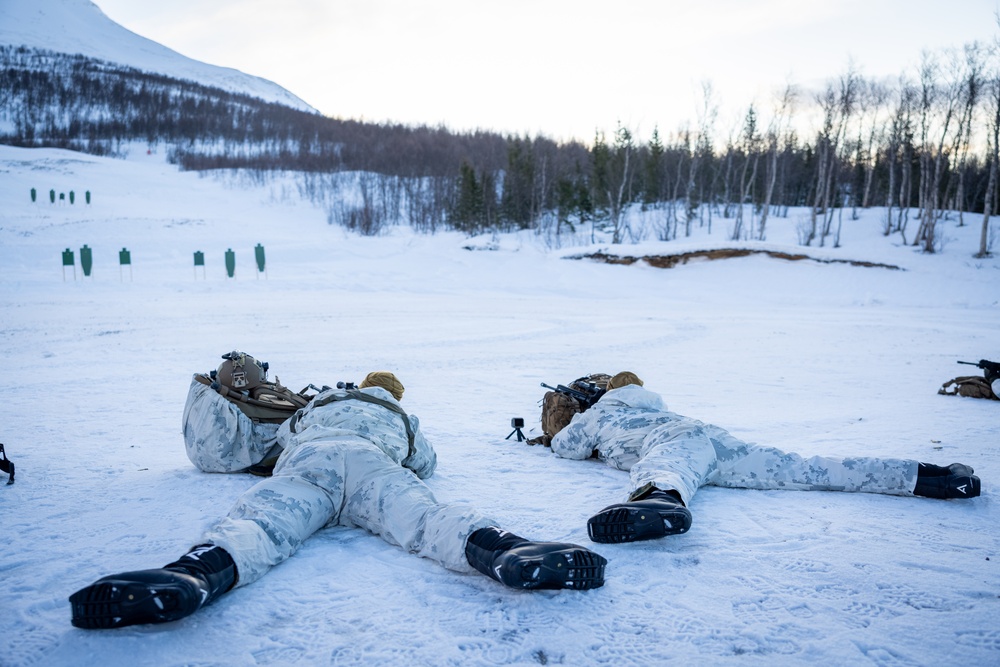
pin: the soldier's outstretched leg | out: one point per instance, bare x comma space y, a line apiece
520, 563
155, 596
655, 514
946, 482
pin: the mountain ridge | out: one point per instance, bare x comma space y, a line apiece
80, 27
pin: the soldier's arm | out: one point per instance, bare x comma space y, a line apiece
579, 439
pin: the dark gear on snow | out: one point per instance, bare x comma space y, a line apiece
6, 465
970, 386
973, 386
656, 513
520, 563
990, 369
946, 482
155, 596
562, 402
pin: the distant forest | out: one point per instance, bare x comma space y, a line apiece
918, 147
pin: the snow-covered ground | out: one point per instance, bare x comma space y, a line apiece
810, 357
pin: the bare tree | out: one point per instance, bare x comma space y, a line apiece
726, 171
780, 122
938, 104
619, 181
971, 87
903, 129
898, 129
993, 90
874, 98
826, 156
837, 108
707, 115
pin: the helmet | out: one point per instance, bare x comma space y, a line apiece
240, 371
622, 379
386, 380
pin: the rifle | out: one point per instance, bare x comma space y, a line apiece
991, 369
591, 392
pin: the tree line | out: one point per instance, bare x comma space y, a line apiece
916, 147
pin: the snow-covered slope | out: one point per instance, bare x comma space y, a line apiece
816, 358
79, 26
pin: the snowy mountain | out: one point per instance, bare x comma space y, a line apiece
72, 78
80, 27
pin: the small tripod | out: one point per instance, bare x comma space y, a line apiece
517, 423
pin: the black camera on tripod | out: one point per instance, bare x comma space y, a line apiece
516, 423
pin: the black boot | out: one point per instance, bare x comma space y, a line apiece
155, 596
520, 563
654, 515
954, 481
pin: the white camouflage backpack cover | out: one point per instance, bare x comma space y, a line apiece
232, 414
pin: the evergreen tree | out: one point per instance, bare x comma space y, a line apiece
653, 181
518, 203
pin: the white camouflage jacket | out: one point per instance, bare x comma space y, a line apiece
615, 427
218, 437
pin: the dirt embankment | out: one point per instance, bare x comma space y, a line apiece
670, 261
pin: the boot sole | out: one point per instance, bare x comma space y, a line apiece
629, 524
115, 604
578, 569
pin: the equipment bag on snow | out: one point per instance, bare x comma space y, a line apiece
560, 404
972, 386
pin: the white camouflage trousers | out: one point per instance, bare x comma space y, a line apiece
341, 480
686, 454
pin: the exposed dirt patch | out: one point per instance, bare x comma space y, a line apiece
670, 261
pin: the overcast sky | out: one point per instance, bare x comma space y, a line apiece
562, 68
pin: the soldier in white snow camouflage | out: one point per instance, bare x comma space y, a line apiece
669, 457
351, 457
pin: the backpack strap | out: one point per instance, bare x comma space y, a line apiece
275, 395
263, 397
357, 395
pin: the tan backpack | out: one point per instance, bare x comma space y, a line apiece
972, 386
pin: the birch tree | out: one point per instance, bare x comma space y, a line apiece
993, 149
972, 89
707, 114
938, 104
778, 127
